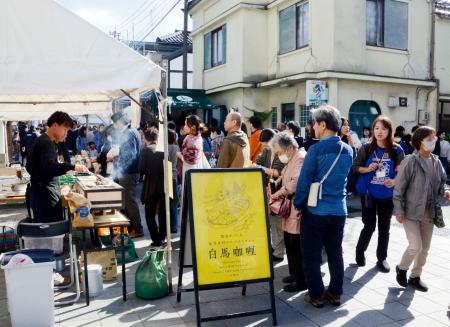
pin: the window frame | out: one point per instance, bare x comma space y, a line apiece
217, 46
381, 38
297, 6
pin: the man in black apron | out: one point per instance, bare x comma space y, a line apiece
44, 169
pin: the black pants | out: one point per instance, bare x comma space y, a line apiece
294, 257
46, 204
370, 210
157, 231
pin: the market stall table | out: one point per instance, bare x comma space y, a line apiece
116, 219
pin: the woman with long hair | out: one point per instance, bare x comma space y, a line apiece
377, 164
192, 149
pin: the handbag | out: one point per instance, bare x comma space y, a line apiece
281, 207
315, 190
438, 219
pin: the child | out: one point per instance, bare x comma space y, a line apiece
92, 151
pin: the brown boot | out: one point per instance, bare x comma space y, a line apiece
317, 303
332, 298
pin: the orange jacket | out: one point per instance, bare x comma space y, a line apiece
255, 146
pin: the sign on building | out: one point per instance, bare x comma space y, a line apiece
316, 93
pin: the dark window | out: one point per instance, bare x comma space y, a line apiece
294, 27
215, 47
287, 112
387, 23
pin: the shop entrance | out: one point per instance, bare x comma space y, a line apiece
361, 114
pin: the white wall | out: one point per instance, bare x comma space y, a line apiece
442, 57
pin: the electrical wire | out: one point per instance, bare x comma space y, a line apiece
158, 15
159, 22
138, 10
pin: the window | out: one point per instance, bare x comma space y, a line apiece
215, 48
287, 112
305, 115
274, 117
387, 23
294, 27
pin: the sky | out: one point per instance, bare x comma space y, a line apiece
109, 15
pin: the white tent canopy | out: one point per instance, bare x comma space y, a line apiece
51, 59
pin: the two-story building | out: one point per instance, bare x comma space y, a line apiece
371, 56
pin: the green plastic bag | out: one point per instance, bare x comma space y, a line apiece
151, 278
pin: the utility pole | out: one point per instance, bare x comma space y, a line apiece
185, 43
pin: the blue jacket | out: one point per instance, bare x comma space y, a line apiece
318, 161
129, 149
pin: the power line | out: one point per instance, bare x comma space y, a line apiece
159, 22
138, 11
157, 15
151, 11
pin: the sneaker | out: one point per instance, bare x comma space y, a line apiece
288, 279
58, 279
360, 260
383, 266
417, 284
332, 298
317, 303
295, 287
401, 277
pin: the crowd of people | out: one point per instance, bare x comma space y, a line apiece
308, 181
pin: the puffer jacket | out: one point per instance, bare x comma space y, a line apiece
410, 182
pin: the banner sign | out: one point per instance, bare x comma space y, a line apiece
230, 226
225, 235
316, 93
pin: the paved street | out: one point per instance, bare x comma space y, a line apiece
370, 298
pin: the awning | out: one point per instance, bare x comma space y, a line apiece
190, 99
55, 60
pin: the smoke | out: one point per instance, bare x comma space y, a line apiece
125, 149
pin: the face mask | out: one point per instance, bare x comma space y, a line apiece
284, 158
429, 145
397, 139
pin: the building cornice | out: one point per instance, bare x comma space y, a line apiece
345, 75
225, 14
238, 85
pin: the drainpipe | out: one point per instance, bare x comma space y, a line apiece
432, 57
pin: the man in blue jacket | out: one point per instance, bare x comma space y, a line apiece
322, 225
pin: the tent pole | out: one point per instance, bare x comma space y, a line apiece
166, 195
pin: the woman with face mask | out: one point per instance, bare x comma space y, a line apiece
419, 184
286, 148
272, 166
376, 165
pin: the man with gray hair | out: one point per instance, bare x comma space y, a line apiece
320, 196
126, 169
235, 150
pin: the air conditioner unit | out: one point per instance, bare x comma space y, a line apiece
424, 116
393, 102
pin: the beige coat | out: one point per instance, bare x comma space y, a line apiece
289, 178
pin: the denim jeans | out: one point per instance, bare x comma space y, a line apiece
318, 231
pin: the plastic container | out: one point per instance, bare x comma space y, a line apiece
54, 243
95, 279
29, 286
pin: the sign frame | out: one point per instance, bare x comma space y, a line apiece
188, 222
